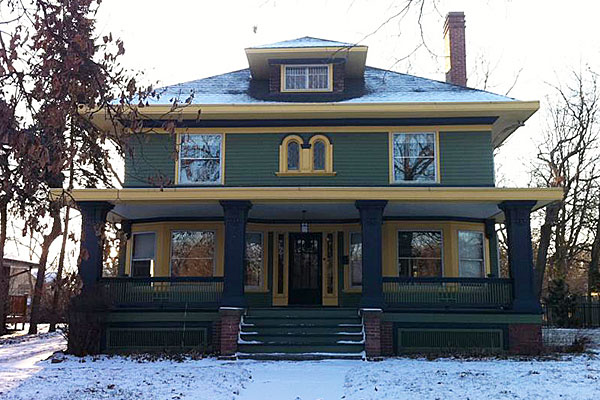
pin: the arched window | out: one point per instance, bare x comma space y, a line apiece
319, 155
296, 158
293, 156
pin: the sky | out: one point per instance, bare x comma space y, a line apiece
540, 42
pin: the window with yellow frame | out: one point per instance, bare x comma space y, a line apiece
414, 157
297, 158
307, 78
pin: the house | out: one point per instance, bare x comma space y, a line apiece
21, 283
313, 204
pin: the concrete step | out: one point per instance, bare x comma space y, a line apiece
296, 348
300, 356
303, 312
333, 330
273, 321
303, 338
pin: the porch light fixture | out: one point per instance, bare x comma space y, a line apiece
303, 223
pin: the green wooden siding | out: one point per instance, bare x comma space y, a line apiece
466, 158
359, 159
152, 158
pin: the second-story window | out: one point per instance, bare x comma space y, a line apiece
306, 78
200, 159
414, 157
293, 156
299, 157
319, 155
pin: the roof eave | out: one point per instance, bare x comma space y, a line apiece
511, 114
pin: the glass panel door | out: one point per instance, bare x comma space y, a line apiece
305, 268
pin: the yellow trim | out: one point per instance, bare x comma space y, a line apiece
280, 299
390, 250
328, 129
328, 154
263, 230
329, 299
222, 161
438, 174
336, 194
163, 243
511, 114
306, 157
283, 155
283, 72
400, 109
353, 48
449, 231
316, 173
348, 230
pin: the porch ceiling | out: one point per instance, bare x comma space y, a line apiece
312, 211
320, 203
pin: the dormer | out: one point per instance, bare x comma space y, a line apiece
307, 65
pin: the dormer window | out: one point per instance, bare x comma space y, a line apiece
306, 78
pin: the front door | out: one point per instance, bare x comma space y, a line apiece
305, 268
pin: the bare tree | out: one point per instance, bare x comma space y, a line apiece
568, 158
54, 63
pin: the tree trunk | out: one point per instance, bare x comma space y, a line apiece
4, 273
41, 274
545, 239
59, 273
593, 270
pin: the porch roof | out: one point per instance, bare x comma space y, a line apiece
319, 203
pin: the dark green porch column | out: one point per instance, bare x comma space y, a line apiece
520, 254
236, 215
371, 218
93, 218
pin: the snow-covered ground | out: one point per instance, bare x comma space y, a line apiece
26, 373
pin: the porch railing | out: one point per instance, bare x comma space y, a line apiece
401, 292
163, 291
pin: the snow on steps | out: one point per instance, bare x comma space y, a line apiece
301, 333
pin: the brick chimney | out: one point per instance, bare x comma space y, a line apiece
456, 58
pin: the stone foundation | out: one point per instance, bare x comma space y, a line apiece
525, 339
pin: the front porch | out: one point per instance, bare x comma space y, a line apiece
399, 293
410, 266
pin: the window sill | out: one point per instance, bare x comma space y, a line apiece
352, 290
306, 90
307, 173
249, 290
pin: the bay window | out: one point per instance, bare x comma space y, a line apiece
193, 253
471, 254
419, 253
142, 257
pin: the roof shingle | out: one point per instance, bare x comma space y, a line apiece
379, 86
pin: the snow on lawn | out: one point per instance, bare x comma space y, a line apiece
571, 378
125, 378
20, 352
